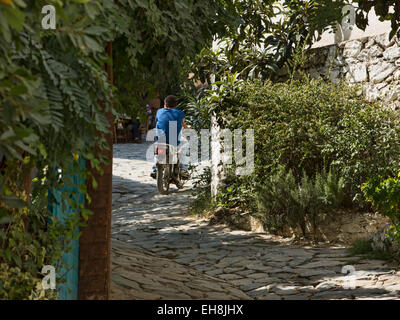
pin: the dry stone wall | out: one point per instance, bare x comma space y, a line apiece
372, 62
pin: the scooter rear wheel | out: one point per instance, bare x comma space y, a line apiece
163, 178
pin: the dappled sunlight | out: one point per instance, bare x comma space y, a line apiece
260, 265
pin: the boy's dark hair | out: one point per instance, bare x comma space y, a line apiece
170, 101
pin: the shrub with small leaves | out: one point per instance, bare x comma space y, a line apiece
281, 200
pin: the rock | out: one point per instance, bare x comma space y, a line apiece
331, 55
326, 285
217, 296
390, 93
313, 72
380, 72
384, 41
307, 273
257, 285
209, 285
245, 273
215, 272
245, 282
210, 244
307, 289
339, 61
370, 53
258, 276
390, 79
256, 225
259, 267
321, 263
370, 43
358, 73
334, 75
281, 289
380, 86
395, 287
374, 51
352, 48
351, 61
269, 296
332, 294
380, 241
298, 297
392, 53
234, 269
276, 257
229, 276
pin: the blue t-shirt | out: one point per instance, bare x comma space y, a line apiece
165, 118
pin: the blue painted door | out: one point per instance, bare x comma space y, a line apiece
69, 289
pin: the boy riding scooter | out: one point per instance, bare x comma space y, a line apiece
164, 117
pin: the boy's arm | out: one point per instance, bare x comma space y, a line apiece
185, 125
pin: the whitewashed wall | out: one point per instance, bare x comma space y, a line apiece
374, 28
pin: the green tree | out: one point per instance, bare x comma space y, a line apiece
269, 33
160, 38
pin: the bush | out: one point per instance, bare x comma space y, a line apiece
282, 200
236, 191
385, 197
309, 126
202, 190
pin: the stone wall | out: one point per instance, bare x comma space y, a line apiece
372, 62
340, 227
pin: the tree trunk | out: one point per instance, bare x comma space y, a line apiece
95, 242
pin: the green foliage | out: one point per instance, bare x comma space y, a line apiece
385, 197
18, 285
237, 192
202, 190
361, 246
283, 201
310, 126
154, 52
51, 84
329, 139
267, 38
28, 241
364, 248
197, 113
159, 39
55, 94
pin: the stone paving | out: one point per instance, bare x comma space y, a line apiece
139, 274
160, 252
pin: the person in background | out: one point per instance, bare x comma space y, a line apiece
150, 117
136, 130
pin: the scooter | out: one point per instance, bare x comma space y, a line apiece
168, 168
